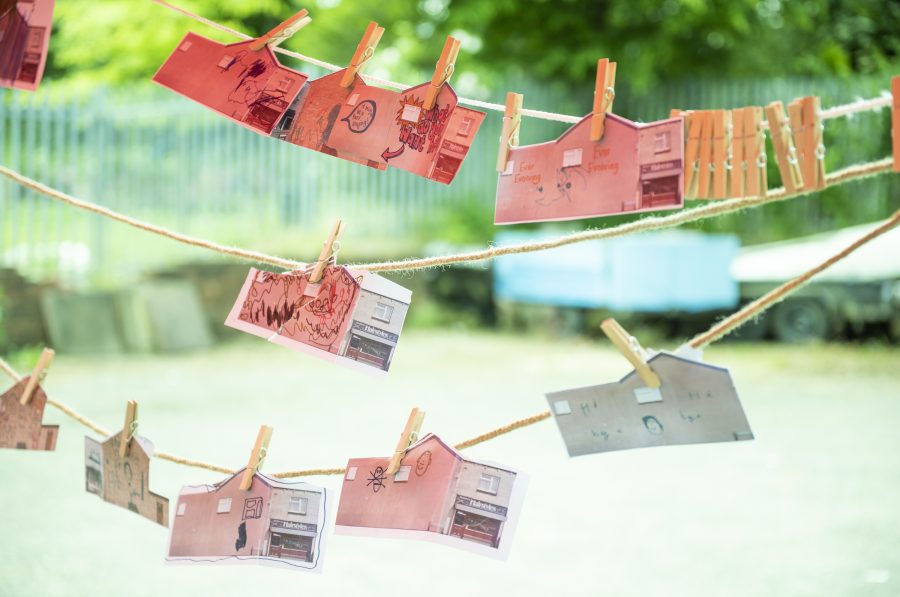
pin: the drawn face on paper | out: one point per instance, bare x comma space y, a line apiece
653, 425
423, 462
277, 302
362, 116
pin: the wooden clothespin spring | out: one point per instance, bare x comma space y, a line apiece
364, 52
37, 375
257, 456
443, 70
509, 136
129, 429
328, 251
632, 351
408, 437
604, 95
281, 32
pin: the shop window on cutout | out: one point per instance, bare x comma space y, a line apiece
351, 473
276, 540
181, 508
297, 505
489, 484
226, 62
402, 474
662, 142
383, 312
411, 114
224, 506
464, 127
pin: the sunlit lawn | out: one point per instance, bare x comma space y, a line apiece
808, 508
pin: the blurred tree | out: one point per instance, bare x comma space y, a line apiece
120, 41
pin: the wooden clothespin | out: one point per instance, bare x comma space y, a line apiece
326, 253
785, 153
409, 436
705, 163
895, 120
752, 166
282, 32
629, 347
722, 156
806, 126
694, 124
129, 429
364, 51
509, 135
604, 94
38, 375
738, 170
257, 456
443, 70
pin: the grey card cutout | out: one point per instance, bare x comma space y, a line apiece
699, 404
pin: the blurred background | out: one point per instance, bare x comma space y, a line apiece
132, 314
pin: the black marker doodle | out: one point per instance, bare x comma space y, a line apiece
241, 540
688, 418
565, 179
253, 508
602, 434
653, 425
376, 478
361, 117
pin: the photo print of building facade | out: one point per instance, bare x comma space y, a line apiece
633, 168
21, 425
436, 495
25, 27
696, 403
124, 481
353, 317
273, 523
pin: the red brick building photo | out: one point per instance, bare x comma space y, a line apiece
272, 523
436, 495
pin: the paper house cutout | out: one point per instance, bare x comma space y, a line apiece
272, 523
249, 87
633, 168
24, 41
313, 114
437, 493
125, 481
391, 128
696, 403
354, 317
20, 425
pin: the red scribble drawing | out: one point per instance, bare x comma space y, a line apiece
633, 168
20, 425
391, 128
277, 302
24, 40
249, 87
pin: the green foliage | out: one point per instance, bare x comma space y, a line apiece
119, 41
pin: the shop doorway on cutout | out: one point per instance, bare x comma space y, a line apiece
475, 527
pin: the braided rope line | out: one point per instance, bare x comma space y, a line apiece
714, 333
710, 209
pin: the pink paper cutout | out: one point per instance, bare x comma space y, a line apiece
24, 41
250, 87
633, 168
277, 302
20, 425
389, 127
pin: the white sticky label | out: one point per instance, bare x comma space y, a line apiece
572, 157
561, 407
647, 395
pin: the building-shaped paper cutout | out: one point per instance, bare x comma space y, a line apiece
274, 523
24, 41
392, 128
696, 403
20, 425
312, 116
633, 168
363, 124
249, 87
354, 318
436, 491
125, 481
